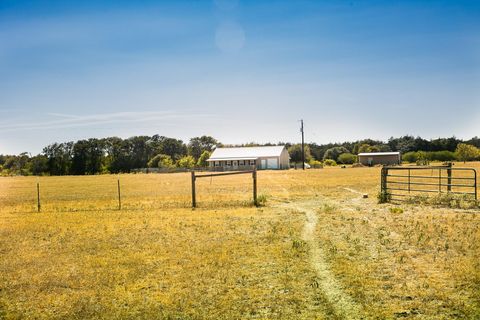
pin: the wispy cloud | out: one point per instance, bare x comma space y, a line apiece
72, 121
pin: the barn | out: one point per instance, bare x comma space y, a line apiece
373, 158
244, 158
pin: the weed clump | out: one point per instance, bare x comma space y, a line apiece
395, 210
384, 197
261, 200
328, 208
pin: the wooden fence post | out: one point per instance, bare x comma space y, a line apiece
382, 181
119, 196
475, 183
194, 200
386, 180
254, 175
440, 180
38, 197
449, 174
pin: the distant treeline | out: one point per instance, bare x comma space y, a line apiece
116, 155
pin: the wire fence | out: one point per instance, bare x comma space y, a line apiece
123, 192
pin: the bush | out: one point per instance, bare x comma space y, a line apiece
186, 162
329, 163
442, 156
422, 158
347, 158
316, 164
410, 157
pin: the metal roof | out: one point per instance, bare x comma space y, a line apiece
245, 153
379, 154
228, 159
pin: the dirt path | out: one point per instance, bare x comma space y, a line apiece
340, 302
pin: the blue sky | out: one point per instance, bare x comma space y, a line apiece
237, 70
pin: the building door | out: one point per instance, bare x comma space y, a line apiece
272, 163
264, 164
370, 162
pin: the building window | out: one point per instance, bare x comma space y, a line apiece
252, 162
217, 163
241, 162
229, 163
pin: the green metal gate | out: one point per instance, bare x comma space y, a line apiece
403, 182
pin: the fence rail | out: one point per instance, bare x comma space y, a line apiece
211, 175
399, 182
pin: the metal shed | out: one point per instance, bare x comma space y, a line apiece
373, 158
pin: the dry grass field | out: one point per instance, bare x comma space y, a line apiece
316, 250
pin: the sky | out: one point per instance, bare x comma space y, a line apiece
240, 71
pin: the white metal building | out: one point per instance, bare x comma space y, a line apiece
270, 157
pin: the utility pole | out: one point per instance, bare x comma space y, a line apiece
303, 146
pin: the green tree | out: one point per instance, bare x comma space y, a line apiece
118, 154
175, 148
347, 158
295, 152
161, 161
364, 148
466, 152
140, 151
198, 145
187, 162
39, 165
202, 160
59, 158
334, 152
87, 157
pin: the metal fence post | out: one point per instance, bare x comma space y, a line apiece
38, 197
194, 200
119, 197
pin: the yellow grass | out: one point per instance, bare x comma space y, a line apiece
317, 250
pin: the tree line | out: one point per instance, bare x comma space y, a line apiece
413, 149
116, 155
110, 155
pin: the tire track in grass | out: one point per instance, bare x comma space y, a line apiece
339, 301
